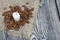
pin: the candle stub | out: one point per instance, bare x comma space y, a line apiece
16, 16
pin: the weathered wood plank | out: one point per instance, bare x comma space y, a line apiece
47, 24
2, 35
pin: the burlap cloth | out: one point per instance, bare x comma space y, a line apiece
27, 28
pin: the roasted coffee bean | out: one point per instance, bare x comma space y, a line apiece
25, 15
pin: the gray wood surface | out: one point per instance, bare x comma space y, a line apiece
47, 24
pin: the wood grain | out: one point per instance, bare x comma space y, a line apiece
47, 24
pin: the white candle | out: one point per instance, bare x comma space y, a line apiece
16, 16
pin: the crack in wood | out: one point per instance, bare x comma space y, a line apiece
57, 9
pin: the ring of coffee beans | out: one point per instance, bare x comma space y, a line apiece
25, 14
